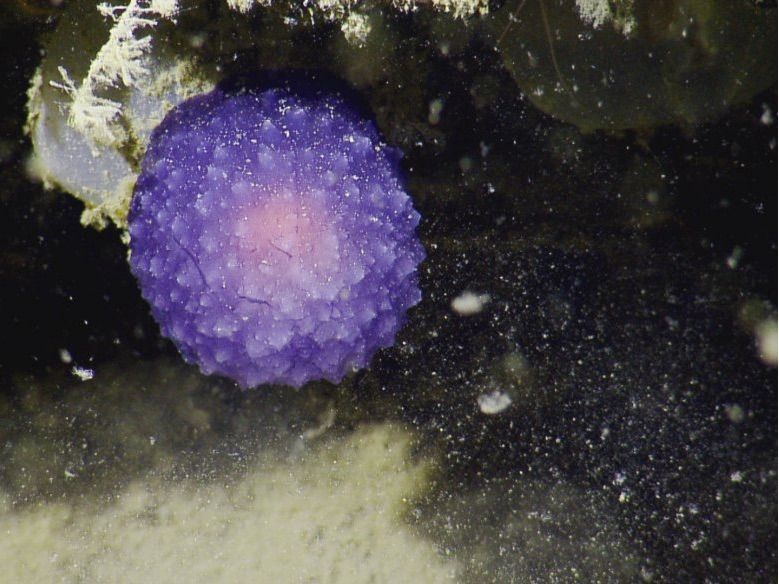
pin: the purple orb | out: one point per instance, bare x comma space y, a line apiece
272, 236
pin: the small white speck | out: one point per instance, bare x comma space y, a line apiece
735, 257
768, 116
65, 356
736, 476
435, 108
469, 303
735, 413
493, 402
82, 373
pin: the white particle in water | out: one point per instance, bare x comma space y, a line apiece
468, 303
493, 402
83, 373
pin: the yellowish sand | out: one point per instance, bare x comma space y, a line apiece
334, 514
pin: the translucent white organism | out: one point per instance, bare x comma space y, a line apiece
89, 121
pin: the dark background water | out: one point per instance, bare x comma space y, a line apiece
634, 331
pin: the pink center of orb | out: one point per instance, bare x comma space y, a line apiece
289, 242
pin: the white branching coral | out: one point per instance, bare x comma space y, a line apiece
246, 5
619, 13
118, 62
356, 28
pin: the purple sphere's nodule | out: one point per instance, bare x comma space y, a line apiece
272, 236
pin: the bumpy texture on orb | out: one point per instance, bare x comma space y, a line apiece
272, 236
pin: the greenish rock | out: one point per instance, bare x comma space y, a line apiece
682, 61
